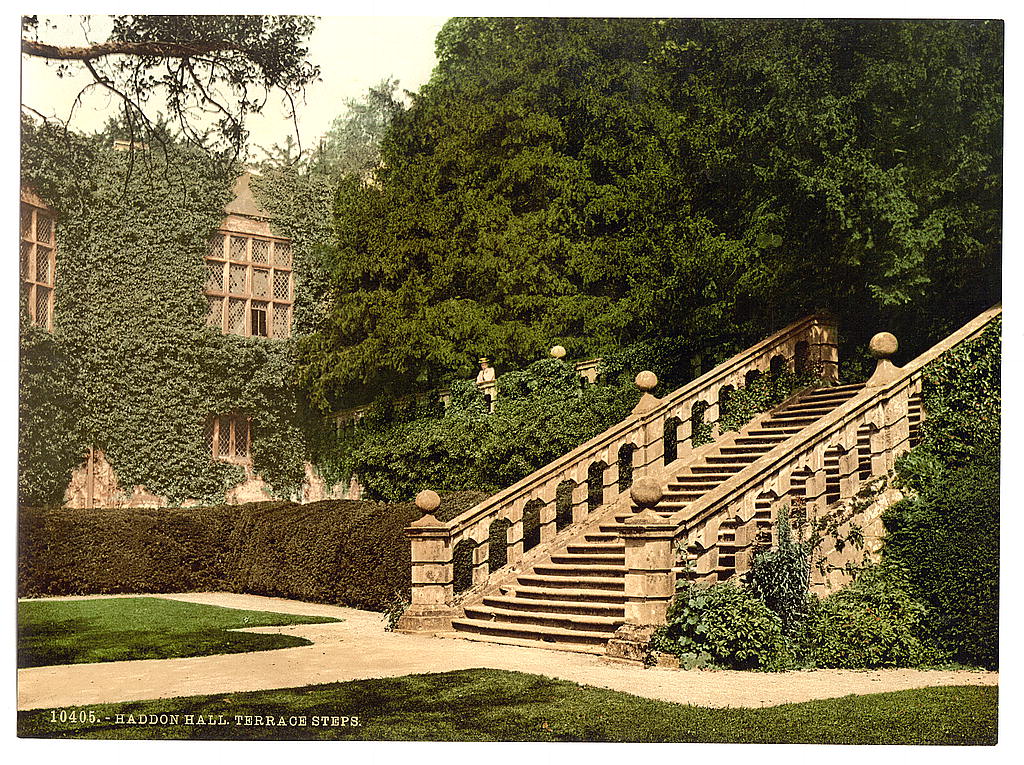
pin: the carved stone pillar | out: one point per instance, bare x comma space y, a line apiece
650, 557
651, 447
514, 536
849, 473
896, 409
824, 348
433, 592
650, 582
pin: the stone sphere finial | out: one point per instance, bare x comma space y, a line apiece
646, 381
646, 492
428, 501
557, 352
883, 345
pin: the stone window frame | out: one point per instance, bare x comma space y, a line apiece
266, 311
38, 287
229, 437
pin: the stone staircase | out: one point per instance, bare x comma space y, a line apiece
575, 599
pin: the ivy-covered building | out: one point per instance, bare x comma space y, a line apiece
158, 331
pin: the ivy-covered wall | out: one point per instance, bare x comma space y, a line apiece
131, 366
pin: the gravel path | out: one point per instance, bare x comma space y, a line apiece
359, 648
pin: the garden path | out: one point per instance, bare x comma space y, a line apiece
360, 648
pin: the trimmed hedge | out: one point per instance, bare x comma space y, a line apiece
948, 539
344, 552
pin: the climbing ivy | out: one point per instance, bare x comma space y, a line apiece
130, 365
946, 533
762, 394
541, 413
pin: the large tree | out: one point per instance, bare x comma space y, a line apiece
595, 182
352, 145
209, 72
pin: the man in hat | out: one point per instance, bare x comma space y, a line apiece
486, 373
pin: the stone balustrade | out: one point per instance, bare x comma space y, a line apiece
824, 463
600, 471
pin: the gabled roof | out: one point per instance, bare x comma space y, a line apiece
245, 203
28, 196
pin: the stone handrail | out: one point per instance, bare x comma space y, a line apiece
822, 463
642, 427
637, 443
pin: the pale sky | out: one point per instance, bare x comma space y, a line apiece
353, 52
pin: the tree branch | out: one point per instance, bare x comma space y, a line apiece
100, 50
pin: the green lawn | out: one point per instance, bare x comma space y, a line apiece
118, 629
493, 705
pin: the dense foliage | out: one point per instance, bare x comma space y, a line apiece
131, 366
762, 394
723, 625
340, 551
599, 182
873, 622
540, 413
780, 575
947, 536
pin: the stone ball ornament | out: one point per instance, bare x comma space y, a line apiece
646, 381
428, 501
883, 345
646, 492
557, 352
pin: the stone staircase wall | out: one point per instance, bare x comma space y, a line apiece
608, 576
561, 493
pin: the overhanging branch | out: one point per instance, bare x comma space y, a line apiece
100, 50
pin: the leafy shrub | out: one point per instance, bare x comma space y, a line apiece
874, 622
669, 358
345, 552
723, 625
780, 576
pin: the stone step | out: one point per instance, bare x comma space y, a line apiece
597, 648
805, 416
753, 448
531, 632
782, 430
577, 559
686, 481
596, 547
601, 538
580, 622
826, 403
688, 499
601, 583
511, 602
574, 570
716, 469
804, 405
533, 592
770, 439
790, 422
836, 389
731, 459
